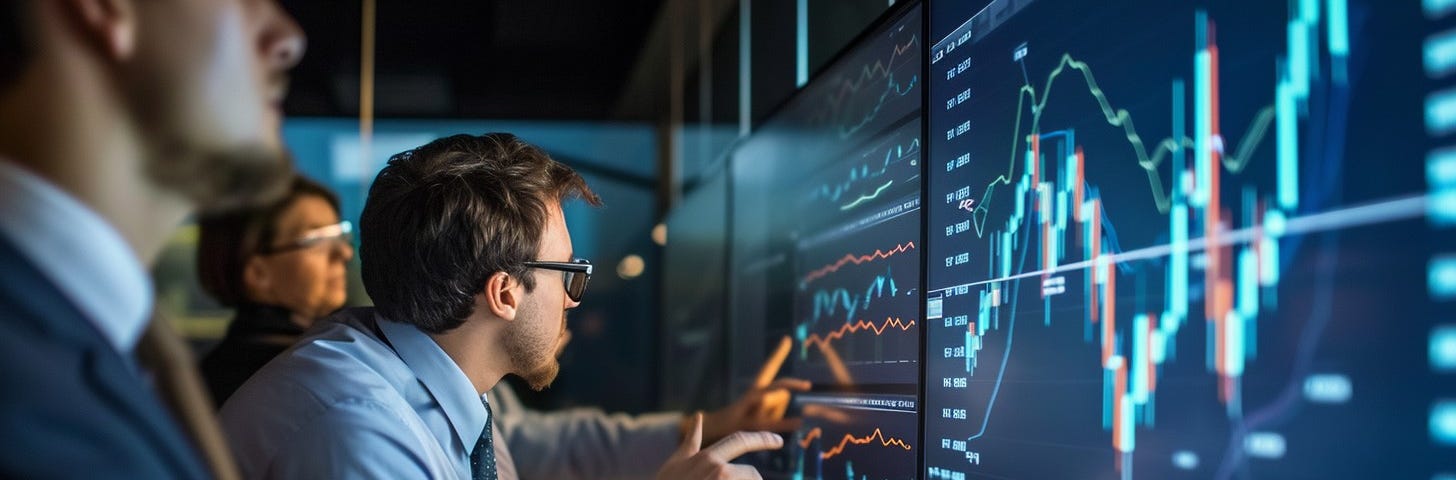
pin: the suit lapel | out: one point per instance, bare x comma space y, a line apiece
113, 377
116, 379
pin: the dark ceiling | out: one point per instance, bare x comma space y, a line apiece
512, 59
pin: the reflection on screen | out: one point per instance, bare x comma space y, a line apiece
827, 233
1190, 240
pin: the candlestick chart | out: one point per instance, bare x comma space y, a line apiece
1159, 241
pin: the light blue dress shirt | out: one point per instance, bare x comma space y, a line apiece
80, 252
354, 401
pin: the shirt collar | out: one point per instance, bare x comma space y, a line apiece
79, 251
442, 377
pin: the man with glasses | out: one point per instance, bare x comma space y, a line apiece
575, 275
466, 255
281, 267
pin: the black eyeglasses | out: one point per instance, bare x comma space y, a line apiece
575, 274
341, 232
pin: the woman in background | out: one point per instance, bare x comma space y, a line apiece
281, 267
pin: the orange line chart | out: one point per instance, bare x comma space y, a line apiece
876, 437
857, 260
849, 328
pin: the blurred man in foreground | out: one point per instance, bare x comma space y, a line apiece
118, 119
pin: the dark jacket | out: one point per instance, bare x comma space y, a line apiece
71, 405
257, 334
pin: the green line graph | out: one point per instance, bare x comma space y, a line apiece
866, 198
1118, 117
845, 131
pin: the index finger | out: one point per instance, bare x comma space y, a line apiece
792, 384
737, 444
775, 362
694, 438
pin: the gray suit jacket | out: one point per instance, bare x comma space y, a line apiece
582, 443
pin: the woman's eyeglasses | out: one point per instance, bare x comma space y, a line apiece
341, 232
576, 274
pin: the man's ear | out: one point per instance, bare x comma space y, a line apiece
257, 279
502, 296
110, 25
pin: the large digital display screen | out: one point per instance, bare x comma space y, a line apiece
826, 246
1190, 239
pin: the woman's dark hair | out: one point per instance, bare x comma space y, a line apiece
227, 240
444, 217
16, 42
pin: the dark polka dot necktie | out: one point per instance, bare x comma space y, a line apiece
482, 459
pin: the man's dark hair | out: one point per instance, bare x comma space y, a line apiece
444, 217
16, 44
226, 240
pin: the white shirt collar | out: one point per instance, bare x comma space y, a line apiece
79, 251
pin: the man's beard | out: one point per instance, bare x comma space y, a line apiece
211, 174
222, 179
533, 356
